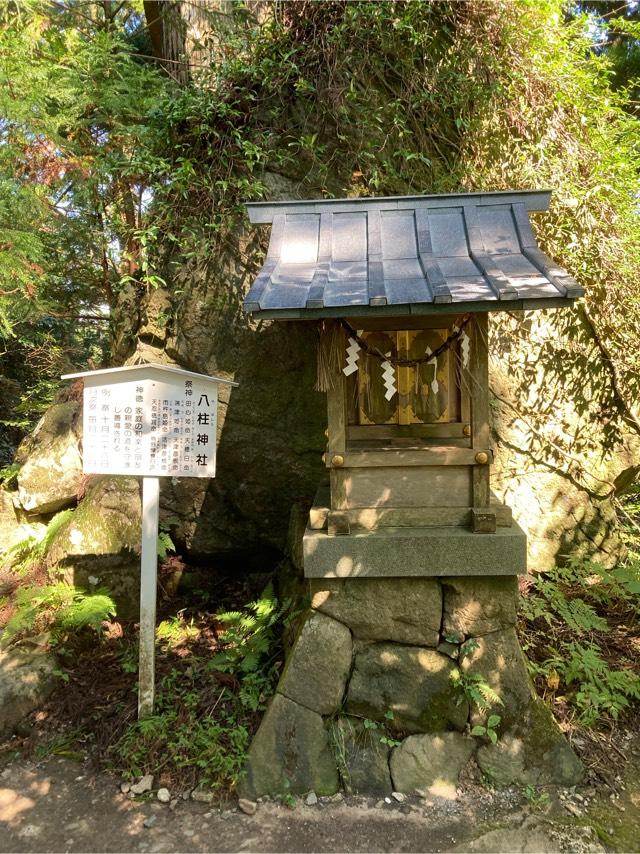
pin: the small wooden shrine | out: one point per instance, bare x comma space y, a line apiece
411, 562
402, 289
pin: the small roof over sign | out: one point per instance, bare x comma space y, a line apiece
130, 369
405, 255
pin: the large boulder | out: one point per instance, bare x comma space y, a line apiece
413, 683
474, 606
289, 754
50, 461
431, 762
362, 756
404, 610
15, 524
318, 665
563, 445
99, 546
533, 752
9, 524
26, 680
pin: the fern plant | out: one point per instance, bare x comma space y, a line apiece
26, 553
61, 608
476, 689
564, 602
251, 648
598, 688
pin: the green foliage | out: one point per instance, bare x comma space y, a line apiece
118, 176
165, 544
475, 689
185, 736
62, 609
286, 796
175, 631
250, 648
535, 798
26, 554
204, 713
566, 607
385, 738
571, 593
60, 745
598, 689
490, 730
9, 475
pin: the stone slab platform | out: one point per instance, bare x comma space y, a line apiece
414, 552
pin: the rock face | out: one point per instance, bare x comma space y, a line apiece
9, 525
474, 606
311, 677
534, 752
361, 756
51, 465
413, 683
404, 610
498, 659
431, 762
100, 544
290, 753
271, 427
556, 456
26, 680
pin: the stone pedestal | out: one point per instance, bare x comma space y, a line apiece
372, 696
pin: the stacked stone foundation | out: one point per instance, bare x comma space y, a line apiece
371, 698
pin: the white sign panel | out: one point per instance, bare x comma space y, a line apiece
155, 427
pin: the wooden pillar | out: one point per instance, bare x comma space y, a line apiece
483, 519
337, 520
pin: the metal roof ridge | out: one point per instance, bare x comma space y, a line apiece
147, 365
498, 194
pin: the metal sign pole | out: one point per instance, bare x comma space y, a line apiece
148, 578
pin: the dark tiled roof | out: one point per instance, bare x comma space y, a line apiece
405, 255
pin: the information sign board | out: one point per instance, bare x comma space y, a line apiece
152, 427
153, 421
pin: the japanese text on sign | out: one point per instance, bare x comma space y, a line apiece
149, 427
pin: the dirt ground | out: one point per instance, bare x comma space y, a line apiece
58, 805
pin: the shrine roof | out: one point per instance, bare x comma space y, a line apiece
405, 255
146, 368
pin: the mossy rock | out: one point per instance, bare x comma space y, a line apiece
50, 461
533, 752
289, 754
26, 680
361, 756
412, 682
100, 544
318, 665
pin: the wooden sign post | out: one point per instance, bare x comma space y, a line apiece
150, 421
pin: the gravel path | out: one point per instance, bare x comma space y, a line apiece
58, 805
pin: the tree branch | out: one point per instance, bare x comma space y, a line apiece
625, 410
